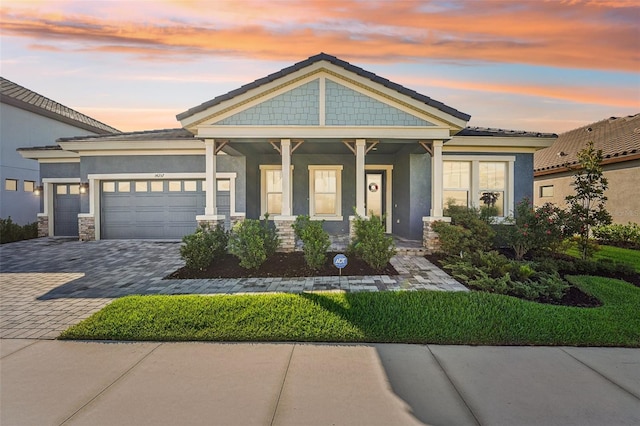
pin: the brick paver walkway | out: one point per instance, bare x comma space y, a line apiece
48, 284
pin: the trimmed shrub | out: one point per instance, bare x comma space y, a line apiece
371, 244
204, 246
315, 241
618, 235
252, 242
469, 231
10, 231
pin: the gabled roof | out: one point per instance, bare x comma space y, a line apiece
20, 97
335, 61
617, 137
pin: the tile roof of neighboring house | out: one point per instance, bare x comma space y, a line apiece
487, 131
145, 135
20, 97
332, 59
617, 137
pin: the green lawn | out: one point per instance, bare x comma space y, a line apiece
617, 254
408, 317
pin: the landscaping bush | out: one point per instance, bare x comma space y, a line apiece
252, 242
10, 231
495, 273
618, 235
371, 244
533, 229
203, 246
469, 231
315, 241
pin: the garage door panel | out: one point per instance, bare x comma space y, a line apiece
151, 214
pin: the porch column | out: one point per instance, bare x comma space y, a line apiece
285, 151
210, 216
436, 180
360, 153
210, 171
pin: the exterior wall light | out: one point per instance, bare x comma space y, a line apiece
84, 187
37, 191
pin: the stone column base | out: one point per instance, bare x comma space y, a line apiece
430, 238
286, 234
234, 220
43, 225
86, 227
211, 220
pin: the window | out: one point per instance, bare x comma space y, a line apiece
11, 184
108, 187
29, 186
546, 191
271, 189
157, 186
124, 186
456, 182
190, 185
141, 186
478, 181
224, 185
74, 189
175, 186
325, 192
61, 189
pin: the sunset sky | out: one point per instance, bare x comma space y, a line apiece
531, 65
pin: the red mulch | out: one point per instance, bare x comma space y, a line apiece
280, 265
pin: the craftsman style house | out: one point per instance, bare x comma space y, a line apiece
321, 137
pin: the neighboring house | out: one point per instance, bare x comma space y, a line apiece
29, 119
619, 140
350, 141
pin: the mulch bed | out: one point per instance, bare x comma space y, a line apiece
285, 265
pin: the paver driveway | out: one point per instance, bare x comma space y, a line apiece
48, 284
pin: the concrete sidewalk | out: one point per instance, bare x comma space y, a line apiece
87, 383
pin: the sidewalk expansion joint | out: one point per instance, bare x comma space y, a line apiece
120, 377
22, 348
603, 376
284, 379
464, 401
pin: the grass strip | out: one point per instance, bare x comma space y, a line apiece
617, 254
473, 318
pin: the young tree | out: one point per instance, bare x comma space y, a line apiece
586, 207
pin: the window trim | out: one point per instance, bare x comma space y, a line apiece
333, 217
475, 178
15, 183
263, 186
542, 193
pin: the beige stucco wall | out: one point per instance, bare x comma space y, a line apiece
623, 193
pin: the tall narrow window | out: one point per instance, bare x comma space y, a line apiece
325, 192
456, 182
271, 189
492, 185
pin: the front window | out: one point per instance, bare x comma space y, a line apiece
325, 192
478, 181
271, 189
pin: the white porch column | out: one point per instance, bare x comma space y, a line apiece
210, 182
285, 151
360, 153
436, 180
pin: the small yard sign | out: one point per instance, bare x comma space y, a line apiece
340, 261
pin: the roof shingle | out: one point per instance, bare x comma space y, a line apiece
21, 97
617, 137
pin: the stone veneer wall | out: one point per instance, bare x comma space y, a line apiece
233, 220
430, 238
43, 226
86, 228
286, 234
211, 222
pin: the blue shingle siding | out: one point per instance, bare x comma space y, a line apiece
299, 106
346, 107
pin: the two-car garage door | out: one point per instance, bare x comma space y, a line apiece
154, 209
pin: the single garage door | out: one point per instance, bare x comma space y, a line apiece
152, 209
66, 206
